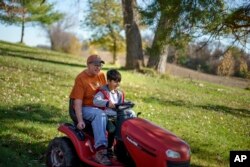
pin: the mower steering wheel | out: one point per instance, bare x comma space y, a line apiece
124, 106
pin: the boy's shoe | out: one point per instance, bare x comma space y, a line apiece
102, 158
110, 153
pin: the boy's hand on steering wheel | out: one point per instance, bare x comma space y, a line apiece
81, 125
111, 105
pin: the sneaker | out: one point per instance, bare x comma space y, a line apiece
110, 153
102, 158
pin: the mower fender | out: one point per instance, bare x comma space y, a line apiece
82, 142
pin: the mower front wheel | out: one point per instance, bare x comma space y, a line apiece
61, 153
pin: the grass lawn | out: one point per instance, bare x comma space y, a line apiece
35, 84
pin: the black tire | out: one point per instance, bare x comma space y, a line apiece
61, 153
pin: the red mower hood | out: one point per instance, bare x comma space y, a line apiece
154, 139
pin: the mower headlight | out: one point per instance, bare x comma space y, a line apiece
172, 154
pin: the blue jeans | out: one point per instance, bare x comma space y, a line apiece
98, 120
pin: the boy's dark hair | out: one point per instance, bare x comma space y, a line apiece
114, 75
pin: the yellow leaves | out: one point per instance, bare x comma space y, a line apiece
151, 108
220, 90
201, 85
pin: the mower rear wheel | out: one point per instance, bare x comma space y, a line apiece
61, 153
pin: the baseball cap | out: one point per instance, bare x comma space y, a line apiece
95, 59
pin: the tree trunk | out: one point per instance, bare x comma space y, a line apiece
114, 51
134, 58
22, 29
176, 55
161, 66
157, 60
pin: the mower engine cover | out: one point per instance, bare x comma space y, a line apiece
150, 145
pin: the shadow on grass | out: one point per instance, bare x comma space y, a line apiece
238, 112
28, 55
31, 112
18, 152
25, 55
227, 110
27, 143
24, 152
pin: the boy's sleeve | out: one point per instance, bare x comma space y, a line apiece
99, 100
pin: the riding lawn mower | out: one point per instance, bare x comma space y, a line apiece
138, 143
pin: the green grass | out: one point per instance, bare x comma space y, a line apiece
35, 85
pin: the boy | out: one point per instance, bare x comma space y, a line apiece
108, 96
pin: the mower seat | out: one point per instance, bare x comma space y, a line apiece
72, 115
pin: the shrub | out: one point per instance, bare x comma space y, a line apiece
241, 68
182, 60
226, 66
63, 41
73, 46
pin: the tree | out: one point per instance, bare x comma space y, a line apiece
226, 66
134, 58
21, 12
237, 23
63, 41
60, 39
104, 18
176, 21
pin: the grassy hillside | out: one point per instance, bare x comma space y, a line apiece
35, 84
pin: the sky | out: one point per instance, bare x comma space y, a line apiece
35, 35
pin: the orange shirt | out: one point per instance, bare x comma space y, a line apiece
85, 87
